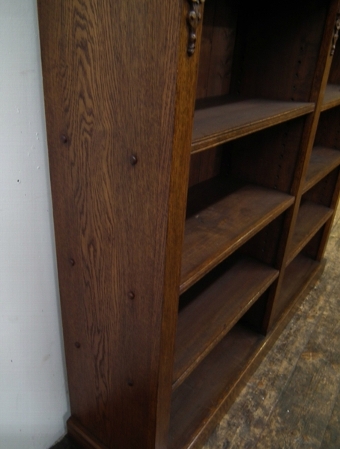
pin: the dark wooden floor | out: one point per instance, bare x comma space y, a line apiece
293, 399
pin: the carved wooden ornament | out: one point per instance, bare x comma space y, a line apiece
336, 34
194, 17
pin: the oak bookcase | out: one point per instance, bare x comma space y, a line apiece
194, 159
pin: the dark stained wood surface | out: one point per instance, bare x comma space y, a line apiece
298, 274
214, 308
279, 69
218, 124
327, 229
224, 372
178, 188
217, 46
214, 379
323, 160
215, 232
311, 217
82, 436
119, 93
323, 191
111, 81
273, 156
293, 399
327, 131
205, 165
287, 399
332, 97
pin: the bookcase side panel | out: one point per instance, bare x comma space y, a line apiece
110, 75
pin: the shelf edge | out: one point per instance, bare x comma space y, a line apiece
211, 141
228, 325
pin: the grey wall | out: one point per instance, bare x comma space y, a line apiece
33, 397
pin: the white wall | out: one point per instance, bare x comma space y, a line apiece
33, 400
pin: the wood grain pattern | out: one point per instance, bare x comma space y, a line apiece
332, 97
179, 176
278, 60
325, 133
311, 217
215, 232
112, 246
216, 125
263, 246
307, 142
214, 379
328, 227
273, 156
323, 160
224, 372
323, 191
328, 131
81, 435
328, 135
281, 402
217, 46
205, 165
297, 276
120, 93
214, 307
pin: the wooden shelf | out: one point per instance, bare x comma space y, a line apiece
323, 160
214, 305
332, 97
310, 219
298, 275
214, 125
210, 386
210, 389
223, 225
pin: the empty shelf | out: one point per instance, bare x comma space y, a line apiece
214, 306
214, 232
217, 124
